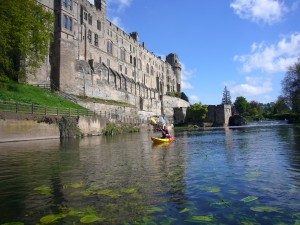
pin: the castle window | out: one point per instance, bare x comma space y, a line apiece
90, 36
96, 40
90, 19
122, 54
98, 24
134, 61
120, 68
67, 22
65, 3
131, 59
147, 68
68, 4
108, 62
109, 47
126, 70
140, 64
85, 15
151, 70
100, 60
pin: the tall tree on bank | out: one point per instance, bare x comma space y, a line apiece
26, 28
226, 100
241, 105
291, 87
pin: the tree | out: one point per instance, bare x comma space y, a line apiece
281, 106
26, 29
241, 105
197, 112
291, 87
226, 100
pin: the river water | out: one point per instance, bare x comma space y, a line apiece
242, 175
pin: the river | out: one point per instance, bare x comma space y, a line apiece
238, 175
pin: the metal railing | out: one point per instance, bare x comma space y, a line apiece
23, 108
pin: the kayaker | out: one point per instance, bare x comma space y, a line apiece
165, 132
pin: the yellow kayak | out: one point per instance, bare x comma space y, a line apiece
162, 140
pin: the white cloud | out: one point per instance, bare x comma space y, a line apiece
185, 76
117, 21
266, 11
194, 99
272, 58
252, 87
120, 5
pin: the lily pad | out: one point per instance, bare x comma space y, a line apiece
90, 219
207, 218
51, 218
109, 193
76, 213
153, 209
128, 190
222, 204
43, 190
265, 209
211, 189
184, 210
74, 185
249, 199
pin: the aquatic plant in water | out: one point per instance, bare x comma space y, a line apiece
265, 209
43, 190
207, 218
249, 199
211, 189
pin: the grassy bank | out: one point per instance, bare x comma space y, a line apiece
22, 93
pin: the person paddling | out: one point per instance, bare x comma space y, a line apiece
165, 132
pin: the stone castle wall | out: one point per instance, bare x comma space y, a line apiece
90, 56
218, 115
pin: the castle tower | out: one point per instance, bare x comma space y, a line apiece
174, 62
101, 5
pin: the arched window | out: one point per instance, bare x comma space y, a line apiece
109, 47
90, 36
122, 54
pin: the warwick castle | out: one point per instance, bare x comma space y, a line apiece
90, 56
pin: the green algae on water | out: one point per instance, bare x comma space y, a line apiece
264, 209
194, 219
249, 199
211, 189
43, 190
51, 218
91, 218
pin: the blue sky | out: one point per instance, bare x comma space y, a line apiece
246, 45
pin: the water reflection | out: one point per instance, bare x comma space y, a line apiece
231, 176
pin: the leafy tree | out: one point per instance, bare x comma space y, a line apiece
291, 87
241, 105
25, 32
226, 100
197, 112
281, 106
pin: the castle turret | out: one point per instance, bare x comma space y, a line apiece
135, 36
174, 62
101, 5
